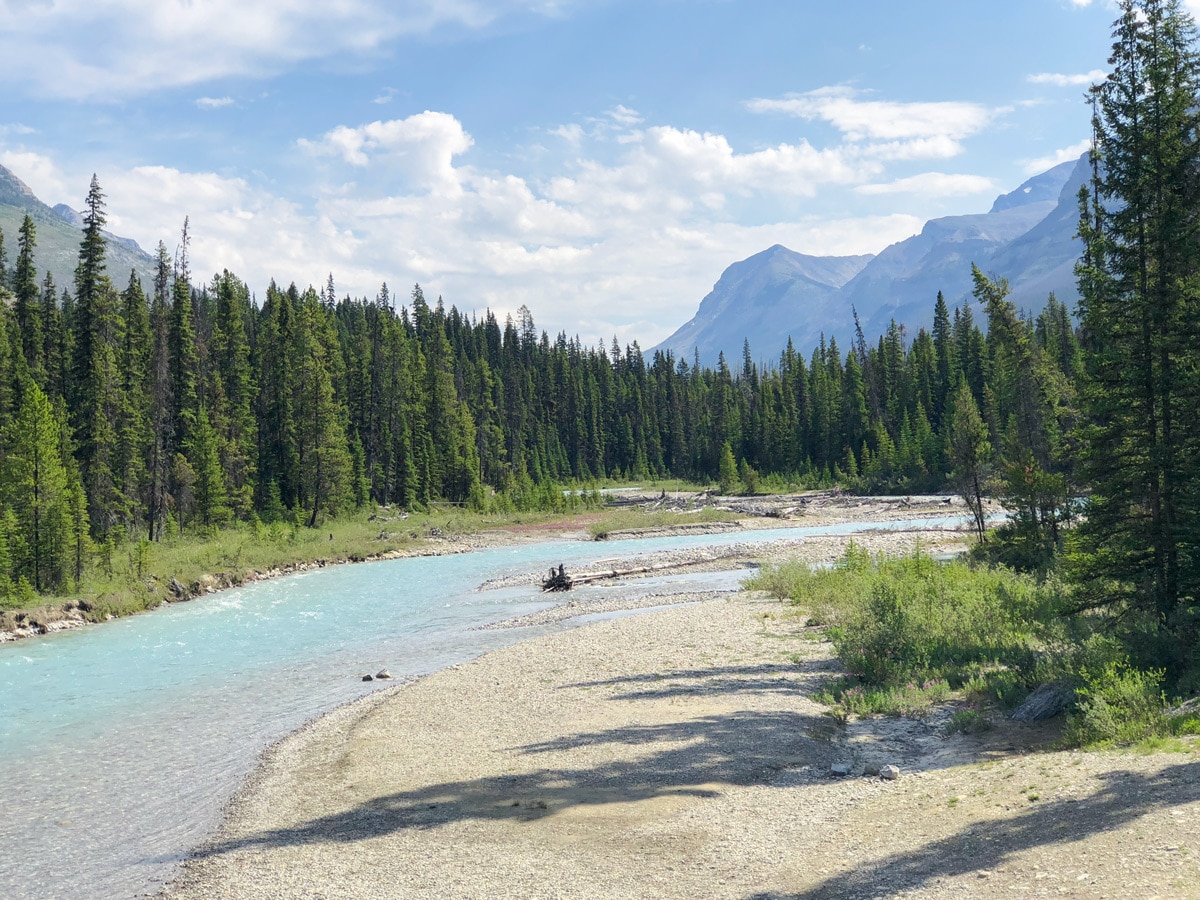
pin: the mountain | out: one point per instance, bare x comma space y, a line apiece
1028, 237
59, 232
754, 295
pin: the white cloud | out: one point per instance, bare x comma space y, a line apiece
877, 120
1067, 154
625, 116
16, 128
932, 184
626, 247
623, 235
213, 102
420, 148
84, 49
1058, 80
41, 174
232, 225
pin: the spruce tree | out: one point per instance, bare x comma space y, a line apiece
969, 453
1141, 319
159, 384
95, 391
34, 486
28, 301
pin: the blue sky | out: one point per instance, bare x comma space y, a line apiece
601, 161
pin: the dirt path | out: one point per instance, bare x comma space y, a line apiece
680, 754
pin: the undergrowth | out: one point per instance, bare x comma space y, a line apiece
911, 631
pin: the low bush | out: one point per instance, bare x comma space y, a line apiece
1118, 705
915, 620
968, 721
912, 699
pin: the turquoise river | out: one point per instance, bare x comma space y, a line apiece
121, 743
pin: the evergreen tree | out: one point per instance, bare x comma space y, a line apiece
1142, 324
727, 471
230, 351
322, 448
159, 383
969, 452
133, 425
34, 487
28, 301
95, 390
56, 343
184, 352
208, 485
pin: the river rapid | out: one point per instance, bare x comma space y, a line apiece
122, 743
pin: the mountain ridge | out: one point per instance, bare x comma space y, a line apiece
59, 233
1028, 237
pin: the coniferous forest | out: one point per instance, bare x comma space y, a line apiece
133, 411
156, 408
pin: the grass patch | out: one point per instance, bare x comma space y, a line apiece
1118, 706
914, 620
913, 699
912, 632
968, 721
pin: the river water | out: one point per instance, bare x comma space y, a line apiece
120, 744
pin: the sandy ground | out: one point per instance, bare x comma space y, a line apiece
680, 753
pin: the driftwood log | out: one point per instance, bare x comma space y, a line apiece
558, 580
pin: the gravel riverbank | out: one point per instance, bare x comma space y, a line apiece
680, 753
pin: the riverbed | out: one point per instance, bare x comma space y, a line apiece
123, 743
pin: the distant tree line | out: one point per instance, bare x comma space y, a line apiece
170, 406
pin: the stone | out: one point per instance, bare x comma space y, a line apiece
889, 773
368, 678
383, 674
1044, 703
839, 770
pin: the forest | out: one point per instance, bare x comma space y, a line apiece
153, 409
133, 411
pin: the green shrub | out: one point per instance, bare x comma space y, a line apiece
1116, 706
915, 620
912, 699
968, 721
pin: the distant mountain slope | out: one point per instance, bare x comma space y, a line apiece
754, 295
58, 237
1028, 237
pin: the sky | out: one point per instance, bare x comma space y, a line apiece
599, 161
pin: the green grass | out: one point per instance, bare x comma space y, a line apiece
911, 631
968, 721
913, 699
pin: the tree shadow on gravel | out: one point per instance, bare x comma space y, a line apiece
1125, 797
792, 678
694, 758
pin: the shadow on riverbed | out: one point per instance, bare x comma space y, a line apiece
989, 844
693, 758
765, 678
